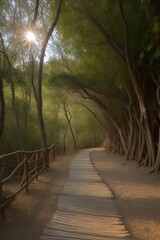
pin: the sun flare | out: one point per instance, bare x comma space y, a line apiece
30, 36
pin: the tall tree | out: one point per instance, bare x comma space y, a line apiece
128, 41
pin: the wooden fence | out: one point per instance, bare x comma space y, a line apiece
29, 164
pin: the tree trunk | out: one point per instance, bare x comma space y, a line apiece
6, 57
15, 110
64, 139
2, 108
156, 167
138, 90
105, 109
124, 54
68, 117
40, 74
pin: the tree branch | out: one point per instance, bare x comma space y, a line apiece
98, 120
125, 33
108, 39
44, 45
35, 13
40, 74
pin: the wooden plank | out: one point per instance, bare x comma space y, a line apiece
86, 209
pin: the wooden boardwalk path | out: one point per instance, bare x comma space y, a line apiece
86, 209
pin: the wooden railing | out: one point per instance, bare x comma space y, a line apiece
28, 165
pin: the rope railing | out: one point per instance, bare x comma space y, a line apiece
29, 164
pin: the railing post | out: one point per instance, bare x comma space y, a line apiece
46, 158
55, 151
56, 147
18, 162
1, 201
37, 154
1, 192
26, 171
51, 154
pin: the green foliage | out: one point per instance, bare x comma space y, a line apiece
83, 60
156, 25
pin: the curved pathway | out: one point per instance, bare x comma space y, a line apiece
86, 209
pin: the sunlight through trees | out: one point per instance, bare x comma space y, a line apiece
99, 82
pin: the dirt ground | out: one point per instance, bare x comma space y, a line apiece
137, 193
27, 216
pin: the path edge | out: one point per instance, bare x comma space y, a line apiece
115, 195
